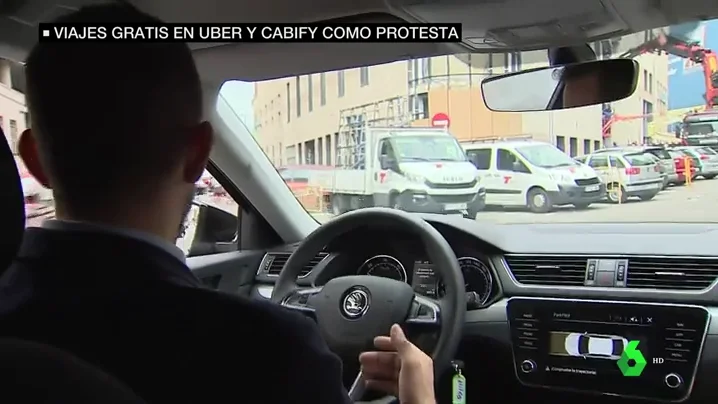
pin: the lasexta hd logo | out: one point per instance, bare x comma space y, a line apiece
632, 361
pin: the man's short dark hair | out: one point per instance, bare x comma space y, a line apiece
110, 119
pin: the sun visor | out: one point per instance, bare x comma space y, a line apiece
525, 24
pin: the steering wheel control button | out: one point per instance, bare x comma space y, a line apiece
355, 304
423, 311
528, 366
673, 381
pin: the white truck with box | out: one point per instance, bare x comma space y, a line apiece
412, 169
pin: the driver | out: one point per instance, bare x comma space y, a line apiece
105, 280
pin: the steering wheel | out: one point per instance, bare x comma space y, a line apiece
352, 310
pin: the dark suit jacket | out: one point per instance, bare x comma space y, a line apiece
138, 313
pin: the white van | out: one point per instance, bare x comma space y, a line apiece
533, 174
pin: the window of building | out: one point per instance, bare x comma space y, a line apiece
596, 145
13, 135
328, 145
310, 94
586, 146
418, 69
289, 104
512, 61
340, 83
298, 91
650, 83
363, 76
320, 150
572, 147
561, 143
419, 106
322, 89
645, 80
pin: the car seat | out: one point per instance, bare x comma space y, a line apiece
40, 373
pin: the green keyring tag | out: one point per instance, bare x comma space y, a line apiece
458, 389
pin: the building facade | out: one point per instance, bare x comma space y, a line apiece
13, 113
297, 119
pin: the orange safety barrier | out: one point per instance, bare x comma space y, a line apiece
688, 170
311, 197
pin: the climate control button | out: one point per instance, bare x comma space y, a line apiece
528, 366
673, 380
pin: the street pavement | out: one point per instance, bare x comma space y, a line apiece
697, 202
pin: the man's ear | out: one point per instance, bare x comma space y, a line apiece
27, 146
199, 146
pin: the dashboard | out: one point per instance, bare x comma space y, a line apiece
558, 311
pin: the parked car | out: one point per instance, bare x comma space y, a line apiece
595, 346
667, 165
627, 175
679, 160
706, 160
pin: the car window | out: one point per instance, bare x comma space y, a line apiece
641, 159
707, 151
481, 158
598, 162
660, 153
505, 160
676, 153
616, 162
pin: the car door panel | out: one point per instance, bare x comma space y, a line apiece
231, 272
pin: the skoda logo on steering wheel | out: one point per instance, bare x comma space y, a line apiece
355, 303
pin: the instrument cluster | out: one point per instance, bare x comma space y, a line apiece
478, 276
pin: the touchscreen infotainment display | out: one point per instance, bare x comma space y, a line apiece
634, 350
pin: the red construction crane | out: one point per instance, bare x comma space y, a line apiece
699, 127
664, 43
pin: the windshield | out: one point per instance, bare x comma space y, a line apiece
427, 148
546, 156
415, 135
701, 128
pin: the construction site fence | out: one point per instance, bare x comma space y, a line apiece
314, 199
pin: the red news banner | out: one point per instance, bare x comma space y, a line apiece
251, 32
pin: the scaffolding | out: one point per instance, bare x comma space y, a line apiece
353, 122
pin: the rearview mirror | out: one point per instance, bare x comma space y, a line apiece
563, 87
208, 230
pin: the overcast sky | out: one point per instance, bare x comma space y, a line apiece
239, 95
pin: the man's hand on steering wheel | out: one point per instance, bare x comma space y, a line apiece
352, 310
399, 368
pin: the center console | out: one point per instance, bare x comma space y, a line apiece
637, 350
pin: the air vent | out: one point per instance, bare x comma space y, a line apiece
671, 273
548, 270
273, 263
